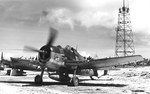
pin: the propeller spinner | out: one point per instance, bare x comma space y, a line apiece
44, 52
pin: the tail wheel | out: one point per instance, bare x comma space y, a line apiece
75, 81
38, 79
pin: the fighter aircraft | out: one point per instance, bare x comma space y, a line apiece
60, 62
15, 66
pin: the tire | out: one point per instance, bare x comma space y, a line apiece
74, 81
8, 72
38, 79
105, 72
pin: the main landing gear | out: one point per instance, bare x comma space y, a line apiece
39, 78
105, 72
74, 80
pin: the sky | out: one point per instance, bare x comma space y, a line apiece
88, 25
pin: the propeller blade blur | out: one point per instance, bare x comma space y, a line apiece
27, 48
52, 37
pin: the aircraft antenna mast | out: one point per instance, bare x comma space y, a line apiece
124, 35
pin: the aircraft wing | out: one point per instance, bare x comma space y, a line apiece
104, 62
26, 64
6, 62
34, 62
21, 64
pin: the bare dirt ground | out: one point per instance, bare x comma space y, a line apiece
123, 81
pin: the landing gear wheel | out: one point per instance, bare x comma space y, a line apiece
105, 72
74, 81
38, 79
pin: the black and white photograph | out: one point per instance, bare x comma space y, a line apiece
74, 47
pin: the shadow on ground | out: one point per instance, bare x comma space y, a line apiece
29, 83
103, 85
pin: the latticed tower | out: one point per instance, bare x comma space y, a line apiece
124, 35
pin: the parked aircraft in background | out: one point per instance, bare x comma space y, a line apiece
15, 66
65, 61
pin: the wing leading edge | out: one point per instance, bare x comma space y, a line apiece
105, 62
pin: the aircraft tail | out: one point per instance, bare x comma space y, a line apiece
3, 60
2, 57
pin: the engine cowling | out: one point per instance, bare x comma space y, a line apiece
45, 55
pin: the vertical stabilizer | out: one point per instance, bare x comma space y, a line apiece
2, 56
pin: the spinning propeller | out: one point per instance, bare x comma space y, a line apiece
44, 52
